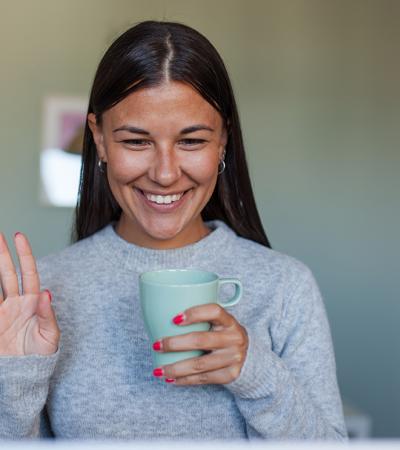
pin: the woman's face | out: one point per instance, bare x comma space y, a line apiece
162, 146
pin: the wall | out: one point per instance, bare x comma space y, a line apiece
317, 88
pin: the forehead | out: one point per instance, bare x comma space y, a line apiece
169, 103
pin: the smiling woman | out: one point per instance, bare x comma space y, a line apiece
163, 182
164, 185
166, 80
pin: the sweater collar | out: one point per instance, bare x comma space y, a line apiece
134, 257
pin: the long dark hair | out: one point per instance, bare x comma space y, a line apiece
144, 56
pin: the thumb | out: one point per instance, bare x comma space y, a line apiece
46, 318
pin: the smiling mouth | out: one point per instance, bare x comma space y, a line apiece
162, 199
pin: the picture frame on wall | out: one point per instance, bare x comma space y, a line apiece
64, 120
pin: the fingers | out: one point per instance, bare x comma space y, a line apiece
212, 312
221, 376
227, 342
201, 340
46, 318
207, 363
29, 275
226, 331
8, 274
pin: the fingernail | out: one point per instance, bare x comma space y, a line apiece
178, 319
157, 346
159, 372
17, 233
170, 380
49, 294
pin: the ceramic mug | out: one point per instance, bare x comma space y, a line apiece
166, 293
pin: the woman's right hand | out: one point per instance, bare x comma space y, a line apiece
28, 324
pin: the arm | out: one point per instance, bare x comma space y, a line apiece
291, 392
24, 385
29, 337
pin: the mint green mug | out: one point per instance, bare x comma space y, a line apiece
166, 293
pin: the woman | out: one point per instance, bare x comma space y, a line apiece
164, 184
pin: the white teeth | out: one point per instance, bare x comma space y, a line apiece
163, 199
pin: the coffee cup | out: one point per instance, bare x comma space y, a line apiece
166, 293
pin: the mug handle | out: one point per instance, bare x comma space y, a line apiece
238, 291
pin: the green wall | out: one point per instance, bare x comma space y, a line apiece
317, 87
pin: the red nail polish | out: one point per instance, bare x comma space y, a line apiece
159, 372
178, 319
49, 294
170, 380
157, 346
17, 233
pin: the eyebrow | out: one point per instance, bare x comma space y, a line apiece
186, 130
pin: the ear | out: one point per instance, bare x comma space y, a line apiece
98, 137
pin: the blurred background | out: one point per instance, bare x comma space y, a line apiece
317, 84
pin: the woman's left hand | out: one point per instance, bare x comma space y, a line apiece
226, 346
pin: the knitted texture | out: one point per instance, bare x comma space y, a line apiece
99, 383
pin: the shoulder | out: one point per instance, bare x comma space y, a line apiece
265, 264
72, 260
280, 284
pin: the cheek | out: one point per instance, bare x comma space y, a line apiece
204, 168
124, 167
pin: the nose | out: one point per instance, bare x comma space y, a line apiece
165, 167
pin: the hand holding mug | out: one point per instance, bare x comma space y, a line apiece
185, 318
226, 346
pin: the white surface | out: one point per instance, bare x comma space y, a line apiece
60, 173
137, 445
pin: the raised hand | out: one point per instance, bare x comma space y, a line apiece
28, 324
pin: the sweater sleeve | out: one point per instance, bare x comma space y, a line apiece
24, 386
290, 391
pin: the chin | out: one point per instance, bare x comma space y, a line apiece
163, 234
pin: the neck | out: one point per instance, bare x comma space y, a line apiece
134, 234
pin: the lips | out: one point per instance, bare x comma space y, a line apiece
162, 207
163, 199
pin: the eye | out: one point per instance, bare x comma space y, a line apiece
192, 142
135, 142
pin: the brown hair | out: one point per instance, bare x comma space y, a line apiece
142, 57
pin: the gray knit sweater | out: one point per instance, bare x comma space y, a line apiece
99, 383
